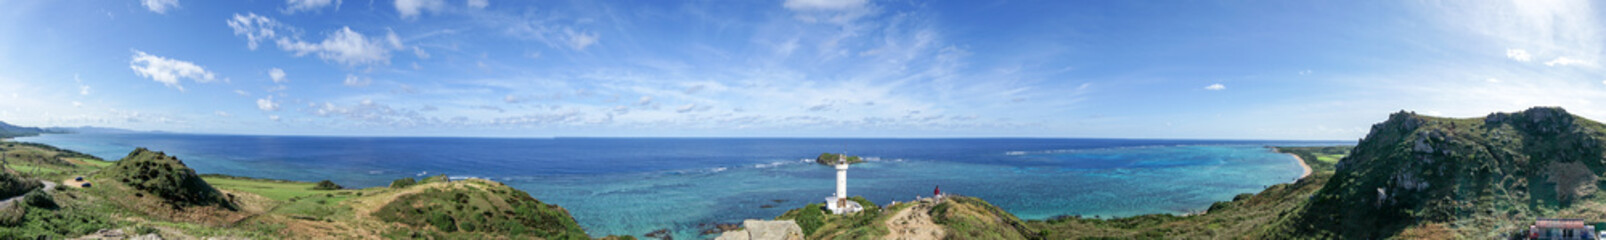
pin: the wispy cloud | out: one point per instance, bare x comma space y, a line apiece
168, 71
1216, 87
347, 47
293, 6
267, 104
159, 6
277, 75
412, 8
344, 46
1518, 54
356, 81
1565, 61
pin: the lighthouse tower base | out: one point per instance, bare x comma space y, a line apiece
842, 205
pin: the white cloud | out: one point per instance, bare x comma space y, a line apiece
1565, 61
1492, 80
1215, 87
77, 104
267, 104
346, 47
355, 81
1603, 82
160, 6
411, 8
222, 114
275, 118
580, 40
686, 108
82, 89
293, 6
167, 71
277, 75
241, 92
824, 4
644, 101
420, 53
1305, 72
1518, 54
478, 3
256, 28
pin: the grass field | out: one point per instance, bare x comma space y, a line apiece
276, 190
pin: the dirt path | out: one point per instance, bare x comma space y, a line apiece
914, 223
49, 186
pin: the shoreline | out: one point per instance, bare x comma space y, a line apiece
1302, 164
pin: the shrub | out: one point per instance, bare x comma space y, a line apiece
443, 222
40, 199
403, 183
327, 185
811, 218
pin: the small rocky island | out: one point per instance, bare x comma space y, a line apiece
829, 159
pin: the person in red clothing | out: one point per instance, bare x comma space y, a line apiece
937, 191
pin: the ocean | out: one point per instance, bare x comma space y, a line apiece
632, 186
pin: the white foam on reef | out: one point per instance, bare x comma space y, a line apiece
718, 169
775, 164
455, 178
421, 174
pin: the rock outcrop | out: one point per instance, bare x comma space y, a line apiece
765, 230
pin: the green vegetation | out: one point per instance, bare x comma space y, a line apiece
818, 223
403, 183
478, 209
831, 159
39, 216
165, 177
973, 218
282, 190
12, 184
327, 185
11, 131
1417, 175
47, 162
151, 192
1319, 158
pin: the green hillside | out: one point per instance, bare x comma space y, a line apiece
1417, 176
165, 177
477, 209
10, 131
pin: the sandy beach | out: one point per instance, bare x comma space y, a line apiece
1302, 164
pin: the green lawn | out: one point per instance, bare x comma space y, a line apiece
276, 190
1329, 158
31, 169
91, 162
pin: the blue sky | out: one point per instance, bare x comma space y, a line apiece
792, 68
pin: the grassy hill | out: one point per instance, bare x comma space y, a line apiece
10, 131
477, 209
151, 192
164, 177
1417, 175
960, 218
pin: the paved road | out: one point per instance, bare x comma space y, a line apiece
49, 187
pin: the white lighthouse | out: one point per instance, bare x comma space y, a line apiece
839, 203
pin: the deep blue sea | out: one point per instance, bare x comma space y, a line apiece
632, 186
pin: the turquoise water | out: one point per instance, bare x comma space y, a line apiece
634, 186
